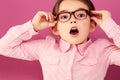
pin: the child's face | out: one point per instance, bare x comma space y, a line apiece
72, 29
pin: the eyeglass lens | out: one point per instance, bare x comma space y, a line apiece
78, 14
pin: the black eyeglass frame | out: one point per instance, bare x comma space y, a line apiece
88, 12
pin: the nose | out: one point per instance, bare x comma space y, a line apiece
73, 22
73, 19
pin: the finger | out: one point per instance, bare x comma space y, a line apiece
43, 14
51, 24
97, 12
51, 17
38, 17
97, 16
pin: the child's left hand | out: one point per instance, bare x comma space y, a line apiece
100, 16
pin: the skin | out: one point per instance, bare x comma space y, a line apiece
44, 20
84, 26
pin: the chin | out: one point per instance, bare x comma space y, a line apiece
77, 42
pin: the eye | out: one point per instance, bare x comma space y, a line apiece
81, 15
63, 16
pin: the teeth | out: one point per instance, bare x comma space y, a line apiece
74, 28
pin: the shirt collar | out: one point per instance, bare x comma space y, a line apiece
65, 46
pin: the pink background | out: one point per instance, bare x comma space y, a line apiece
14, 12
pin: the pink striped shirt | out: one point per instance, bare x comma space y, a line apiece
64, 61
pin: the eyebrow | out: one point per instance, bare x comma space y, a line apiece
72, 11
63, 11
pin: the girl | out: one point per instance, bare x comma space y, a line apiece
75, 56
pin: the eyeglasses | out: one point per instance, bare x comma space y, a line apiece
79, 14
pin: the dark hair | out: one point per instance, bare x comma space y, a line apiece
57, 4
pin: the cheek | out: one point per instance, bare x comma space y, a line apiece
84, 24
62, 28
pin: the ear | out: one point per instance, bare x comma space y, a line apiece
93, 26
55, 31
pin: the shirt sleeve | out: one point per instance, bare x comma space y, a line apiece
114, 57
14, 43
113, 31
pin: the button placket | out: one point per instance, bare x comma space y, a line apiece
70, 63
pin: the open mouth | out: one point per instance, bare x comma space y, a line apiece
74, 31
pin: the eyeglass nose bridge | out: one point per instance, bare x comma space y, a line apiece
72, 13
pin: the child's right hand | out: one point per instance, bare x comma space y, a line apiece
43, 20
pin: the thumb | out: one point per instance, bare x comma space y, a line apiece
51, 24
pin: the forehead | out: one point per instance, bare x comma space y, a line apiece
72, 5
